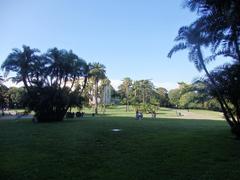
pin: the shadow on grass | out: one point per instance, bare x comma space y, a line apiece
86, 148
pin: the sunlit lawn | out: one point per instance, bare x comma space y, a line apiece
161, 113
148, 149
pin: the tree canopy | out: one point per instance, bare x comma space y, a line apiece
49, 79
217, 28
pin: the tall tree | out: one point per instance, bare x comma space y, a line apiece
96, 73
163, 96
48, 79
103, 91
143, 94
16, 97
192, 38
3, 97
21, 62
124, 90
227, 79
220, 19
174, 97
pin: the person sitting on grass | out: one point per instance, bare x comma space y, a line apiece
139, 115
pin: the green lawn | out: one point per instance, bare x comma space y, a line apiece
148, 149
163, 113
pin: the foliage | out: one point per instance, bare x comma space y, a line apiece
174, 96
3, 97
97, 72
124, 90
142, 92
217, 27
104, 83
16, 97
193, 96
219, 19
227, 79
213, 104
162, 96
142, 95
48, 78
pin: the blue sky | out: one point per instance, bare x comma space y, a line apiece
130, 37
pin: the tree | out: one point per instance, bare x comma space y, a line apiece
104, 91
125, 89
142, 91
218, 26
163, 98
16, 97
48, 78
220, 20
174, 96
193, 96
143, 95
3, 97
96, 73
227, 79
3, 91
189, 100
191, 38
21, 62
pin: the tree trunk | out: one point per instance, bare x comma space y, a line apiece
143, 96
127, 104
127, 99
96, 97
25, 83
225, 108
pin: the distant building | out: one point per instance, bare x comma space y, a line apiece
106, 96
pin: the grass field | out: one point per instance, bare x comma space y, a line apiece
161, 148
163, 113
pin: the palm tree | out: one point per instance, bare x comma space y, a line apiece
125, 87
45, 77
220, 19
96, 73
227, 78
103, 93
65, 67
21, 62
191, 38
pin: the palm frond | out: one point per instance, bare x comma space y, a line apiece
193, 57
178, 47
